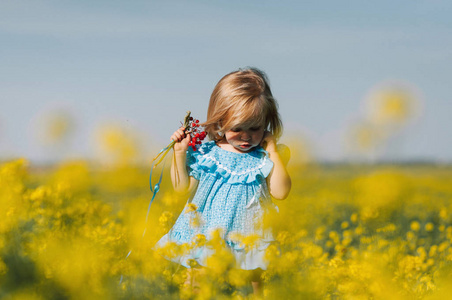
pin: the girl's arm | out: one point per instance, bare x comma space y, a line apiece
182, 183
278, 181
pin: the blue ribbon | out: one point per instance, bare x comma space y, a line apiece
160, 156
156, 188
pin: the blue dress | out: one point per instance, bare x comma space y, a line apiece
232, 196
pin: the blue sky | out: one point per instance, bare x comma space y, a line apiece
142, 64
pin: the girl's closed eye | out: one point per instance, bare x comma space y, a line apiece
254, 128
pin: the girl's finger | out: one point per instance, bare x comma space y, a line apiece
179, 134
176, 137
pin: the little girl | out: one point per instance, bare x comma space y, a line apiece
229, 179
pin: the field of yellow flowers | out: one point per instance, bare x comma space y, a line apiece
345, 232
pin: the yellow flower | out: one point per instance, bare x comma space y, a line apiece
283, 237
364, 137
190, 207
165, 219
192, 263
429, 227
55, 126
410, 235
320, 233
195, 221
443, 246
272, 252
250, 241
388, 228
354, 218
334, 236
359, 230
415, 226
200, 240
433, 250
392, 105
118, 145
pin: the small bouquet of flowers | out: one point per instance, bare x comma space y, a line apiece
192, 128
196, 133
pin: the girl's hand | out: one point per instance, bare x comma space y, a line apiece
182, 139
278, 181
269, 145
182, 182
269, 142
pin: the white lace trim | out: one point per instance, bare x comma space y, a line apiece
221, 166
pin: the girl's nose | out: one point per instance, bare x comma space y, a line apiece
246, 136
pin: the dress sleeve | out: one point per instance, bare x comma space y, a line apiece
193, 163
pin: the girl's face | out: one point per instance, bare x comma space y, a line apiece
242, 139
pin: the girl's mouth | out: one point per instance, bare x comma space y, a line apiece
245, 146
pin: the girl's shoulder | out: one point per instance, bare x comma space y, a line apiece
231, 166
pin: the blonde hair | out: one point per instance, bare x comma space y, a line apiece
240, 98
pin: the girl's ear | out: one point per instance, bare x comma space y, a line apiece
263, 142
